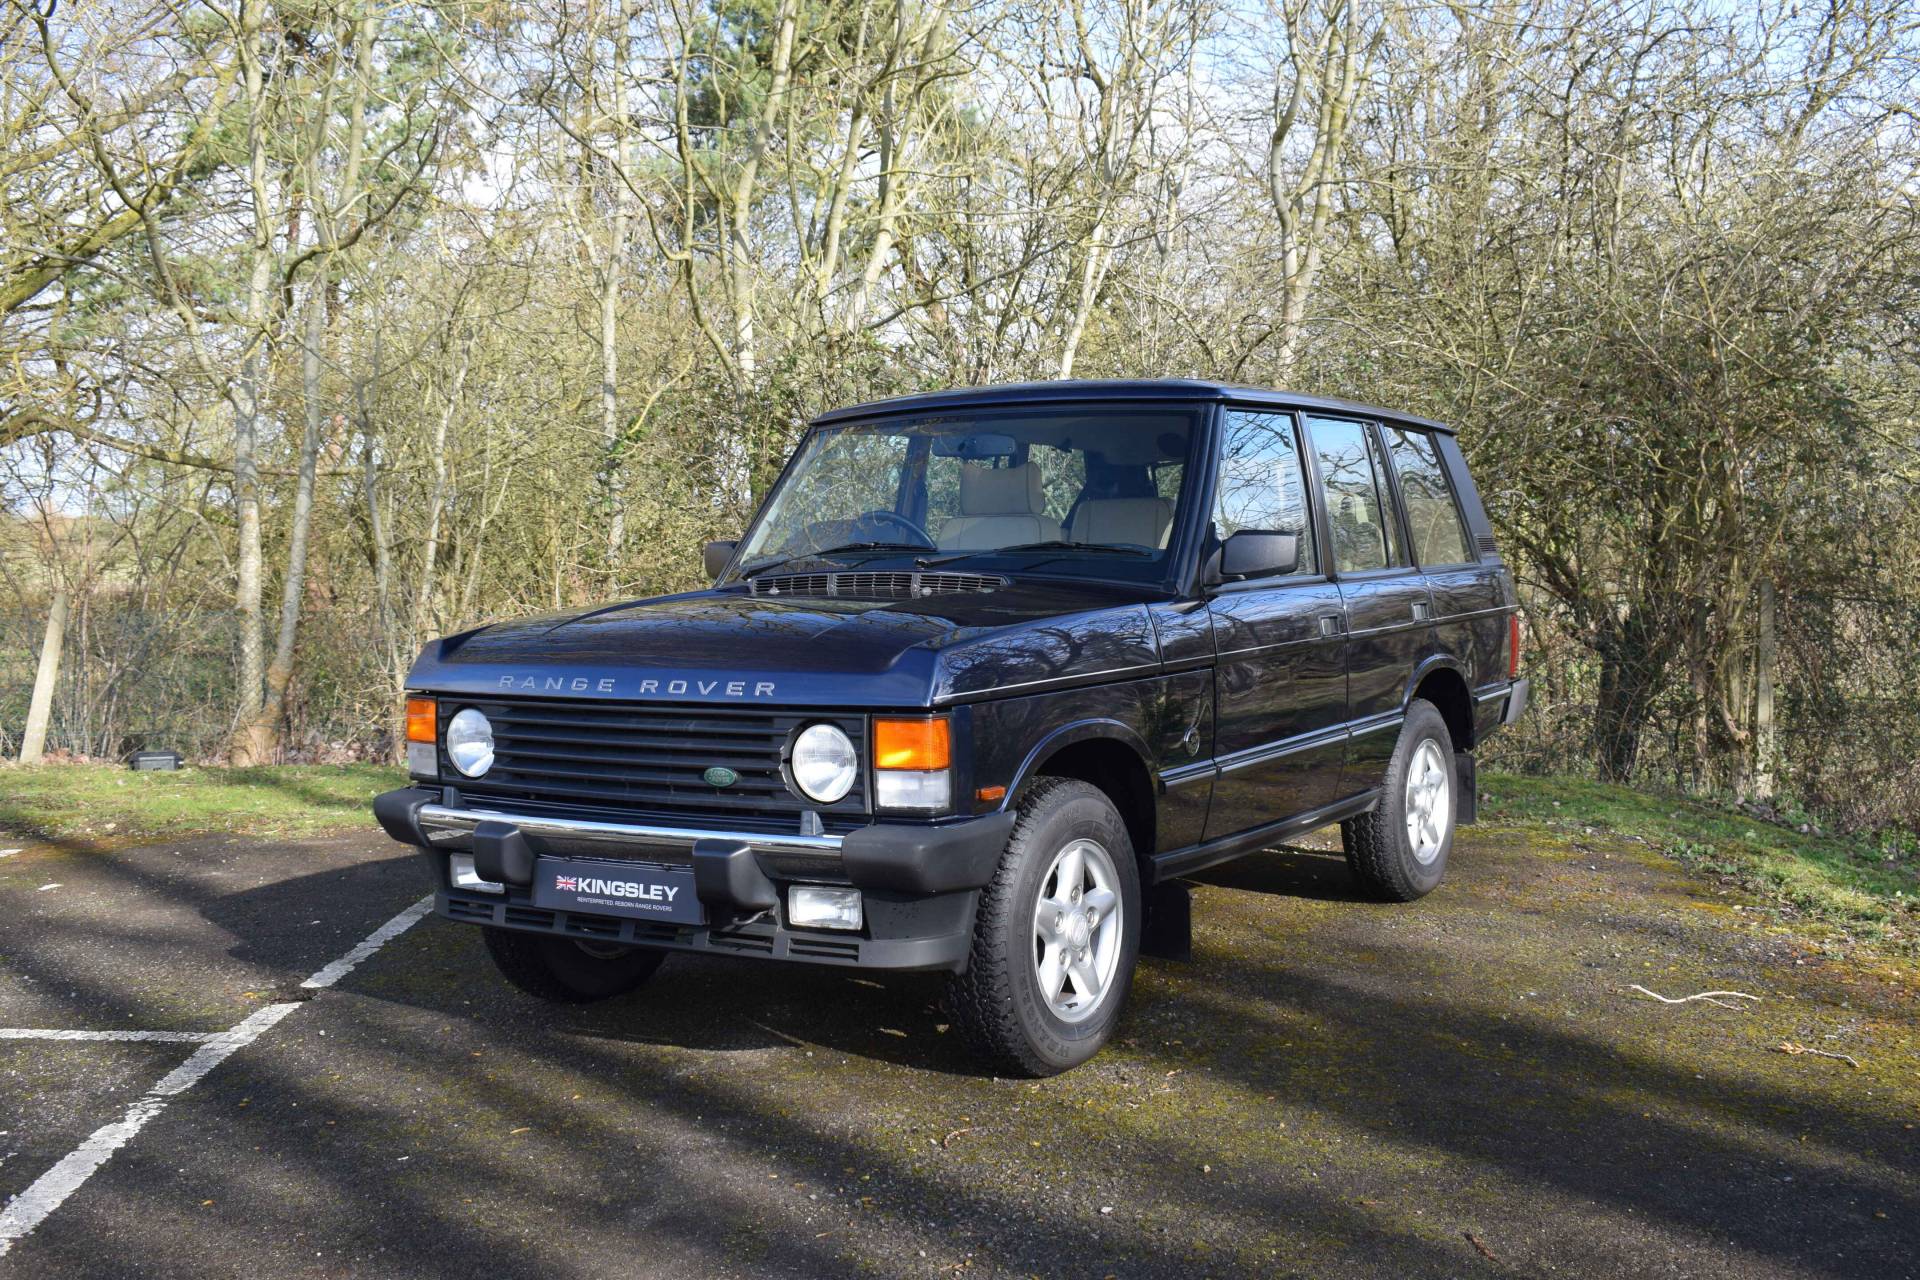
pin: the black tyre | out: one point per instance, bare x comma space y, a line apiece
567, 971
1056, 936
1398, 852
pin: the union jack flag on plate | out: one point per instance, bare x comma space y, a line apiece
567, 882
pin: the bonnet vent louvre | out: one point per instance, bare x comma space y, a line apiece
873, 586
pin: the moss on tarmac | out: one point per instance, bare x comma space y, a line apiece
1467, 1085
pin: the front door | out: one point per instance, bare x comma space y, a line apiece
1281, 681
1389, 611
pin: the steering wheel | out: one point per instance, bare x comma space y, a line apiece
866, 528
899, 521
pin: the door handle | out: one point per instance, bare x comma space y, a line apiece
1422, 611
1330, 624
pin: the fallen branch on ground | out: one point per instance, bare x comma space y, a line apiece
1793, 1050
1711, 997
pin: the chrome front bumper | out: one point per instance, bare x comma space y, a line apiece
917, 857
782, 853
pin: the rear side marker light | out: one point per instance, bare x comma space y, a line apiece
1513, 645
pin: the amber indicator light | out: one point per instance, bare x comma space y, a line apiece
911, 744
422, 720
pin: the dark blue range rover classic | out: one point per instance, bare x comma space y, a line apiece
988, 674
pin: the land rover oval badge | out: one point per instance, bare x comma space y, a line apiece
720, 776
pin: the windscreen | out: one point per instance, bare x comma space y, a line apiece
1074, 490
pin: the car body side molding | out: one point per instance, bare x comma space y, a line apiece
1185, 862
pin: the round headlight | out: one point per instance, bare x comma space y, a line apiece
470, 742
824, 763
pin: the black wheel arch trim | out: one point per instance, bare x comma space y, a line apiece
1093, 729
1427, 666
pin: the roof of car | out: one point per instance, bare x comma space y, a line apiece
1077, 390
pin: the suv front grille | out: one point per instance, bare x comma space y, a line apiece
631, 759
873, 586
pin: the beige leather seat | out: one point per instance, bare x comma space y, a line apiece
1139, 521
999, 507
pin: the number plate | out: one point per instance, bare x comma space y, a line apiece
617, 889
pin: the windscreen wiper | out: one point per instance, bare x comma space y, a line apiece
833, 551
1107, 548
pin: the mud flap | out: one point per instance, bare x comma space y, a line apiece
1468, 788
1166, 931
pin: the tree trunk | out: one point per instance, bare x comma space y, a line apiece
1630, 673
246, 587
248, 393
1093, 271
615, 488
1763, 776
436, 510
259, 741
738, 244
33, 742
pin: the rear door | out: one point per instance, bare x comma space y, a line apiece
1280, 683
1471, 597
1385, 598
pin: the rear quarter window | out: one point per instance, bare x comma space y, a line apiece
1433, 516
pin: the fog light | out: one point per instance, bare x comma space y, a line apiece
460, 871
423, 760
811, 907
925, 789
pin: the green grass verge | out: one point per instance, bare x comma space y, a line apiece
1867, 886
106, 802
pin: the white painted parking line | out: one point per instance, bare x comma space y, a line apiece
163, 1037
51, 1189
31, 1207
371, 943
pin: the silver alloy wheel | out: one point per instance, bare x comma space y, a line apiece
1429, 801
1076, 931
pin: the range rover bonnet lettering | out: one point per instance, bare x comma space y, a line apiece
989, 673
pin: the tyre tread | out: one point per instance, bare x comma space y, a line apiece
523, 962
526, 960
980, 999
1372, 840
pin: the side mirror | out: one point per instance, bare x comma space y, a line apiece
1257, 553
716, 555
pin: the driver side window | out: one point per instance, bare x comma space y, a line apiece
1262, 485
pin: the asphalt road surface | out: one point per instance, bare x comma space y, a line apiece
1461, 1087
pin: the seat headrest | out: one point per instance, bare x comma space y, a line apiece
1003, 491
1116, 480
